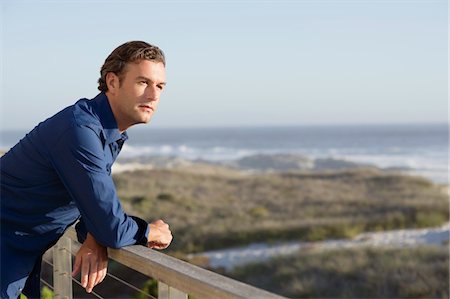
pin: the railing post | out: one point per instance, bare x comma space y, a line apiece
167, 292
62, 268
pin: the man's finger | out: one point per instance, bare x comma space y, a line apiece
101, 273
92, 276
101, 276
105, 270
156, 245
98, 272
76, 266
84, 272
153, 244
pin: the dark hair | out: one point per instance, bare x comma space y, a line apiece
133, 51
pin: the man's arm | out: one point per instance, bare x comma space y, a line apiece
92, 257
80, 162
159, 236
79, 159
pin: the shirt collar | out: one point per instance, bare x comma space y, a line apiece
107, 119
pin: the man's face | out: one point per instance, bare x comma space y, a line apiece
136, 98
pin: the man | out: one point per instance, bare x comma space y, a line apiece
60, 172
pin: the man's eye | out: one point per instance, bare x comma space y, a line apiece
160, 87
143, 82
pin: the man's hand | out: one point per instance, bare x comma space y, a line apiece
160, 235
92, 259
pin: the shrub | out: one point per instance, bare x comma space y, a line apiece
259, 212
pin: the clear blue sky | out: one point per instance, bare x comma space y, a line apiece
236, 62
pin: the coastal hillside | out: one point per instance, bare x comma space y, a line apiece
221, 207
356, 273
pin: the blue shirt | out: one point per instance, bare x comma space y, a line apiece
61, 172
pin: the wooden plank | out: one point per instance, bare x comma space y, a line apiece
57, 286
67, 267
62, 269
163, 290
187, 278
177, 294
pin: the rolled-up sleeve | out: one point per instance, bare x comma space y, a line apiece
80, 161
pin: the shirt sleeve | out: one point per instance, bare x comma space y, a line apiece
82, 166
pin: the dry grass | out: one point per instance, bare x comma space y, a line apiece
356, 273
215, 210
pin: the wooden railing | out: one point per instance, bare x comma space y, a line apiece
176, 278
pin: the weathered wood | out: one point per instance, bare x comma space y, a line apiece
56, 270
163, 290
187, 278
62, 269
168, 292
177, 294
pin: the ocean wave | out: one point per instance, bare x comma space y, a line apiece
215, 153
432, 165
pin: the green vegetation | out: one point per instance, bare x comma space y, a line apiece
46, 293
227, 208
357, 273
150, 287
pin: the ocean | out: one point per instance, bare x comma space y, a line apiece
416, 149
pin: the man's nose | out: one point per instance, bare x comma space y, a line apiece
152, 93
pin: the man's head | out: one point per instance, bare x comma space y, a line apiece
133, 77
133, 51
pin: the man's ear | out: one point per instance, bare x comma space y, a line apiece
112, 81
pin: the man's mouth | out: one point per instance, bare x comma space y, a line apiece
146, 107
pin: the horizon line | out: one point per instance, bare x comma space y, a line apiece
231, 126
